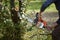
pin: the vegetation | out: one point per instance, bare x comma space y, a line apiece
14, 28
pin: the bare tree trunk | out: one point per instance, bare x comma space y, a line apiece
0, 5
16, 21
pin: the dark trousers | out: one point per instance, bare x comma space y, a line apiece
59, 14
56, 31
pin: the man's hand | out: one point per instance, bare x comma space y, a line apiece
39, 15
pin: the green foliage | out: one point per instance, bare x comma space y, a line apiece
22, 30
34, 5
9, 31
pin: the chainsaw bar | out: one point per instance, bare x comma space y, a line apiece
41, 25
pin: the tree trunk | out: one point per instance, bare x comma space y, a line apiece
0, 5
16, 21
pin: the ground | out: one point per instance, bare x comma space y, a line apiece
50, 17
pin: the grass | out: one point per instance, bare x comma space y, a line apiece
34, 5
37, 6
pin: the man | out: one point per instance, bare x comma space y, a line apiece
56, 31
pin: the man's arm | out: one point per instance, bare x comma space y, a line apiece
46, 4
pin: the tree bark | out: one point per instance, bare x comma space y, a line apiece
16, 21
0, 5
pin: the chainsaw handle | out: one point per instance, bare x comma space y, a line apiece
38, 16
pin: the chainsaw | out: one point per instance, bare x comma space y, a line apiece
36, 21
40, 21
